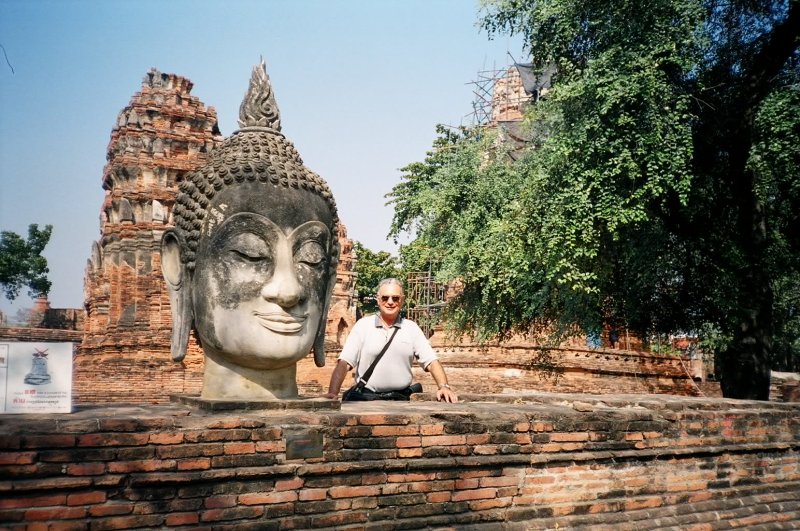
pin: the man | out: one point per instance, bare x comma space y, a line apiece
393, 371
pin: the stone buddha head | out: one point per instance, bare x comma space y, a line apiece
251, 262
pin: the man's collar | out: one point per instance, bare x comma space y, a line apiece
397, 323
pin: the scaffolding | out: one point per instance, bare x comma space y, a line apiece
426, 299
501, 95
483, 92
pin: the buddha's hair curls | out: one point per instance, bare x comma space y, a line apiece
252, 154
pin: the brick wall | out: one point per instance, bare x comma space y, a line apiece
516, 368
530, 462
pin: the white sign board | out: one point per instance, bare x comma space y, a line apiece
35, 377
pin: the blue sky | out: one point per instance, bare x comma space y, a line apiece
360, 85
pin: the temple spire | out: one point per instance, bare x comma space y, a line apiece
259, 109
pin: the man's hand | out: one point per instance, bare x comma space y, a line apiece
341, 370
446, 394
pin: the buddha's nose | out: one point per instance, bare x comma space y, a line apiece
283, 288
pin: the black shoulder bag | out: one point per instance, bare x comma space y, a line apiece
359, 392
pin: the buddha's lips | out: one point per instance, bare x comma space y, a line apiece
281, 322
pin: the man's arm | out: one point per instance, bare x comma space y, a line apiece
339, 373
444, 392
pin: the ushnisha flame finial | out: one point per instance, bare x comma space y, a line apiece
259, 109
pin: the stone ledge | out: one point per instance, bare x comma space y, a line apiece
303, 404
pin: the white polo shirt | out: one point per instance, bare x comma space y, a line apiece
393, 372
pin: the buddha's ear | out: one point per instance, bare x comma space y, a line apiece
319, 340
177, 276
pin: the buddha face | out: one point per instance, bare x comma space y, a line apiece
261, 274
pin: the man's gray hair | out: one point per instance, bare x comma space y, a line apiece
389, 282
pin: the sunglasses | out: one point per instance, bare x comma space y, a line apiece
395, 298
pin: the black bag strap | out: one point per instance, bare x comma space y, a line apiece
362, 382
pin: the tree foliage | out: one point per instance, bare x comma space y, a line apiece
660, 190
22, 263
371, 267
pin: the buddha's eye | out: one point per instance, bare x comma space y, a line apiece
311, 253
249, 247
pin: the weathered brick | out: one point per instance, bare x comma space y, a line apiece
12, 516
239, 448
363, 503
233, 513
479, 439
151, 465
53, 513
439, 497
408, 442
569, 437
200, 463
192, 504
474, 494
312, 494
217, 435
61, 440
409, 452
338, 520
416, 511
111, 509
17, 458
86, 498
443, 440
271, 446
78, 455
267, 434
166, 438
10, 442
502, 481
353, 492
178, 519
128, 522
289, 484
32, 501
266, 498
225, 461
217, 502
113, 439
401, 499
389, 431
370, 419
431, 429
315, 507
232, 423
86, 469
374, 479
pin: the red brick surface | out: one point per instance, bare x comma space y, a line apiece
532, 461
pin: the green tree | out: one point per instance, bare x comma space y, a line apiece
372, 267
660, 189
22, 263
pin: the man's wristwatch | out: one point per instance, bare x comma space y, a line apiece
444, 386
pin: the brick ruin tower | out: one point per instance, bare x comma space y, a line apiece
162, 135
342, 310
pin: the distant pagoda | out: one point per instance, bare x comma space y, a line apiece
162, 135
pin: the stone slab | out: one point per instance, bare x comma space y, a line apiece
303, 404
